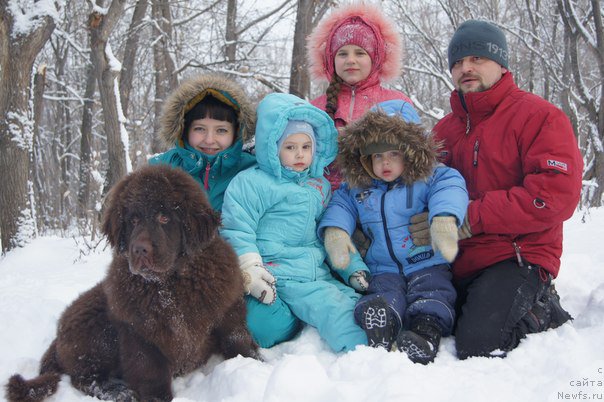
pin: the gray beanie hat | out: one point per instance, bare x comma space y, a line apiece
478, 38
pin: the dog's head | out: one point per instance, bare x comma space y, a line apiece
156, 215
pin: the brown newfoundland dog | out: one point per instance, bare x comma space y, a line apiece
172, 297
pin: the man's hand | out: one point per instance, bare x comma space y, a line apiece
338, 246
257, 280
420, 229
465, 231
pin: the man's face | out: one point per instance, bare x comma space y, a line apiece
476, 74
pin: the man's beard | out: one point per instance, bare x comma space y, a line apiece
479, 88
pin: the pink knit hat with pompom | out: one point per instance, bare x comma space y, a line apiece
354, 31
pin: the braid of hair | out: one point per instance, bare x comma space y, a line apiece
332, 91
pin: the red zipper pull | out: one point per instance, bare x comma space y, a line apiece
475, 155
206, 178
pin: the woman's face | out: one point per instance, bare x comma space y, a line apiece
211, 136
352, 64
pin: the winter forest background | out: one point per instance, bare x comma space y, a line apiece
82, 82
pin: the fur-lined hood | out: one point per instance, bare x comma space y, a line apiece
388, 61
193, 90
418, 148
274, 113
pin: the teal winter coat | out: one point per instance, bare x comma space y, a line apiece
274, 212
212, 172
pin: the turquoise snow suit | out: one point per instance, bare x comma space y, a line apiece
274, 211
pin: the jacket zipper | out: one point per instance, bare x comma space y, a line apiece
206, 177
518, 256
465, 107
352, 89
388, 241
468, 127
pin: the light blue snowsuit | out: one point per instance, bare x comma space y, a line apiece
274, 211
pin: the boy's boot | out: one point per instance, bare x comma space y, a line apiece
421, 342
379, 323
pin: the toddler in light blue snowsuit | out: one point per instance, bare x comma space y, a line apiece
270, 216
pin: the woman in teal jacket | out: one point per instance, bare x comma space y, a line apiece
270, 217
220, 99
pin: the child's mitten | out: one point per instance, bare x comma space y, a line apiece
443, 231
338, 245
358, 281
257, 280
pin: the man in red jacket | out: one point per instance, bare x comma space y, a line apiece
523, 170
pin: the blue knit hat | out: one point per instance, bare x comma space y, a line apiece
297, 127
478, 38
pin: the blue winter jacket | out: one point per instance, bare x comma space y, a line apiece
385, 215
274, 211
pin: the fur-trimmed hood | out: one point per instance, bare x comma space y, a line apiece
193, 90
376, 126
389, 51
275, 111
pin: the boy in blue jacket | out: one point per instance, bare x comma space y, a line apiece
270, 217
391, 173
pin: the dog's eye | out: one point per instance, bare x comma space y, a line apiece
163, 219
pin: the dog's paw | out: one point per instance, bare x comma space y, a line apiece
112, 390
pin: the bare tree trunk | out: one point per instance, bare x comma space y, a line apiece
127, 73
165, 75
86, 144
63, 138
594, 105
299, 81
36, 172
101, 26
230, 50
17, 55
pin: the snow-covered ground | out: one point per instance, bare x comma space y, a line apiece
38, 281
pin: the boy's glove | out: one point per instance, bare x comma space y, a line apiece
257, 280
444, 236
338, 245
358, 281
420, 229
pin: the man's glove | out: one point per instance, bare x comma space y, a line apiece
420, 229
257, 280
358, 281
338, 245
443, 231
464, 231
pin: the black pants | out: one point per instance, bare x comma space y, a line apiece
492, 308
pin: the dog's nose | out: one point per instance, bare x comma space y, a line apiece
142, 248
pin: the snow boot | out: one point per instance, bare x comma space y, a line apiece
378, 322
421, 342
547, 312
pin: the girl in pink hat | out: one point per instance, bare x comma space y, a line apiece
356, 49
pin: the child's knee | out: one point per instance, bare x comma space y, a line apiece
271, 324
